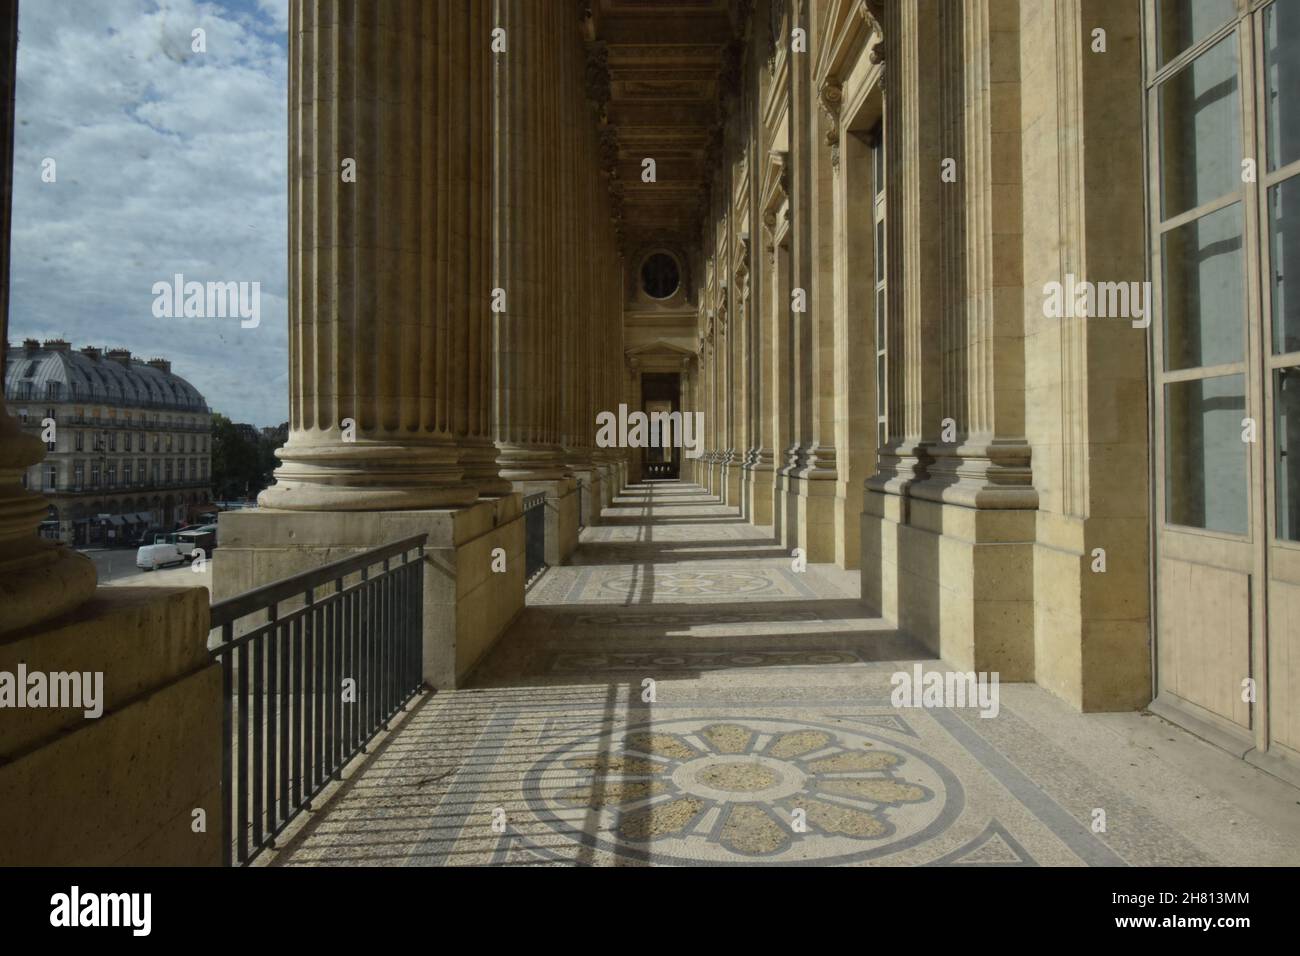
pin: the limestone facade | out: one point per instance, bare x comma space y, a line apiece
830, 227
900, 180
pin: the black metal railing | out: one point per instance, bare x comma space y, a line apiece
534, 534
581, 523
308, 678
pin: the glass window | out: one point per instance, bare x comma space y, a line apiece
1203, 291
1181, 23
1200, 131
878, 162
1282, 81
1205, 456
1286, 432
1284, 256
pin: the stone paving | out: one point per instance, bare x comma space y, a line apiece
770, 739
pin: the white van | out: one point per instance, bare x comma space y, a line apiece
167, 549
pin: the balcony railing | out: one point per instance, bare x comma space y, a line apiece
534, 534
86, 488
126, 424
312, 667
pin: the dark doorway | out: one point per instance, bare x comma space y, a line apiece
661, 392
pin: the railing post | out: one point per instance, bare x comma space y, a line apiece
227, 739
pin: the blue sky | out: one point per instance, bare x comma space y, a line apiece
168, 161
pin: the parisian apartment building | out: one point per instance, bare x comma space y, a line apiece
128, 442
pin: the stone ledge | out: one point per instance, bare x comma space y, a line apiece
140, 638
120, 788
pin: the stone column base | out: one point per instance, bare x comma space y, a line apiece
467, 605
608, 472
758, 490
731, 483
775, 493
960, 580
848, 525
787, 499
1091, 629
120, 789
590, 496
817, 515
561, 516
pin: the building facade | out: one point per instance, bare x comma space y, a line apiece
128, 442
984, 300
996, 310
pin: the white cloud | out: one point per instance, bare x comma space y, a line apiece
168, 161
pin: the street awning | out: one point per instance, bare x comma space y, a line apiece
117, 519
141, 517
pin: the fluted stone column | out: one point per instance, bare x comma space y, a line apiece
608, 343
526, 382
391, 322
389, 275
802, 105
637, 459
39, 579
583, 231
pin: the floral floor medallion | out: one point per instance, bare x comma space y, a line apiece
757, 790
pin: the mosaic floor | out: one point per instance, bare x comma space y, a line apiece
681, 696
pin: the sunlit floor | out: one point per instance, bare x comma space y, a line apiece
680, 694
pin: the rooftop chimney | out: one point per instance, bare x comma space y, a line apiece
161, 365
91, 353
56, 345
31, 346
121, 356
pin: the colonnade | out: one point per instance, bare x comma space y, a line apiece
453, 272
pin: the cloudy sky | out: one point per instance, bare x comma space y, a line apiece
167, 161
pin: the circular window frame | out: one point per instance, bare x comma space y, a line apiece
677, 265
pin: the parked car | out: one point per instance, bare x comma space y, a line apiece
166, 550
200, 537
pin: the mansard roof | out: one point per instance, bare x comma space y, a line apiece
108, 377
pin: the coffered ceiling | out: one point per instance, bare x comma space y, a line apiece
660, 67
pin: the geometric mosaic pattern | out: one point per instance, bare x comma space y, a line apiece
744, 790
769, 738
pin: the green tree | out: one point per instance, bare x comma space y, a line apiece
236, 465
